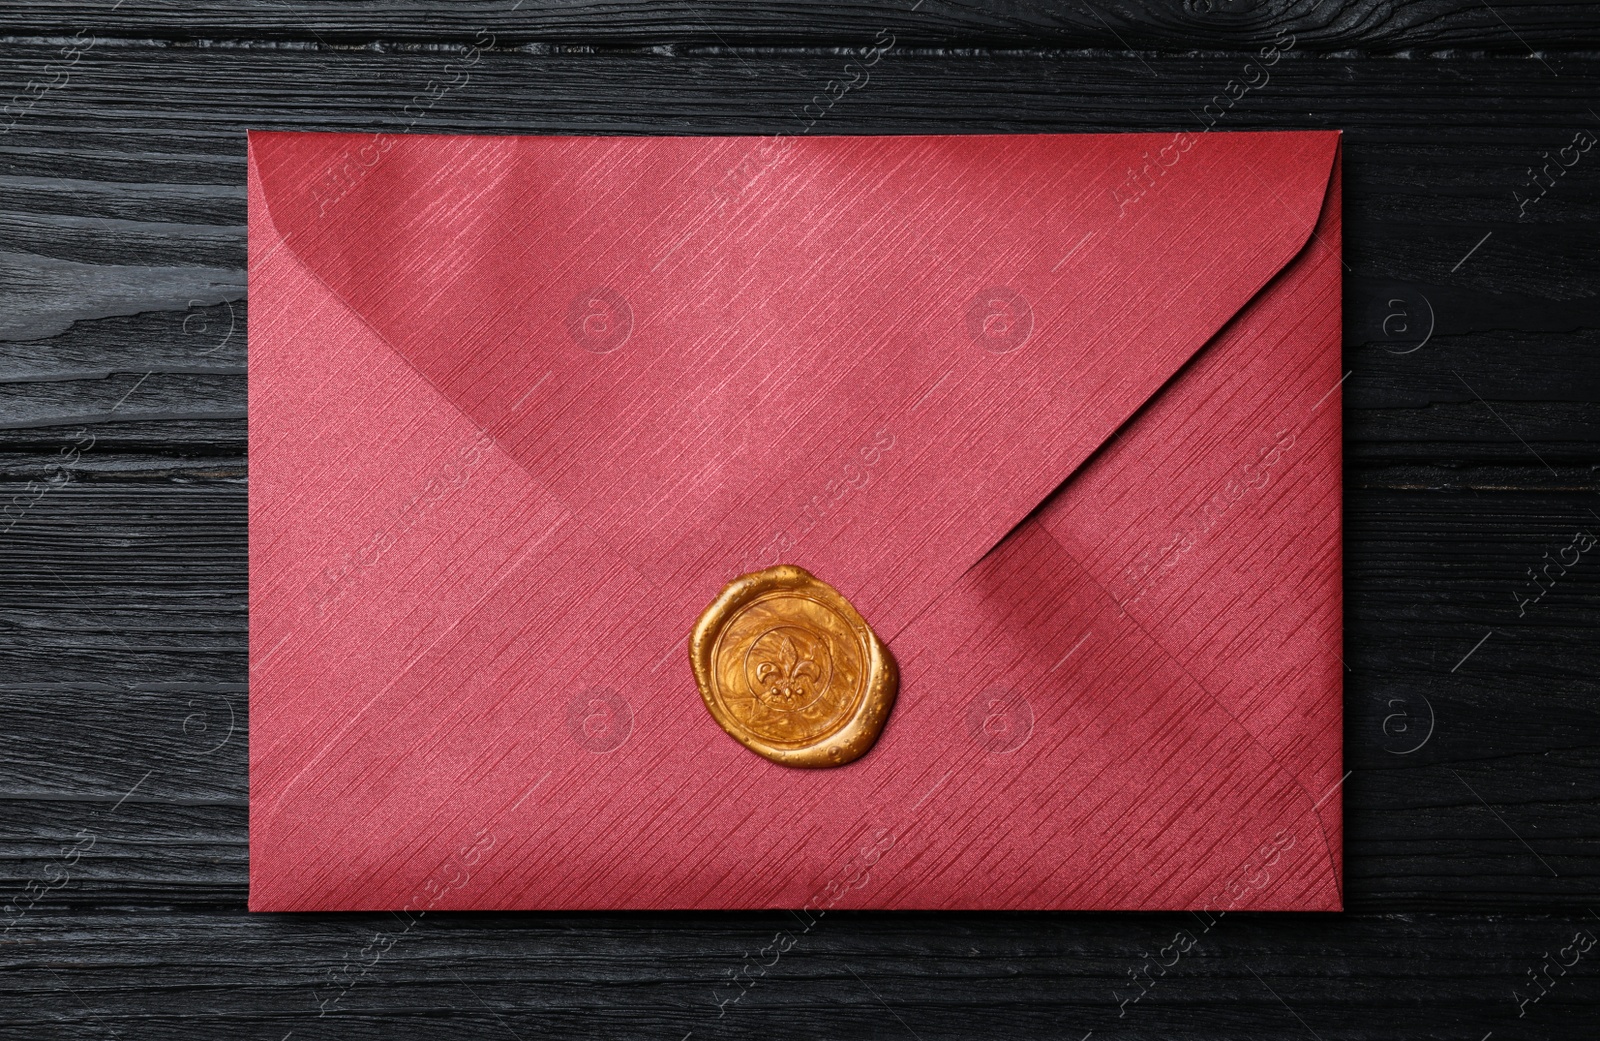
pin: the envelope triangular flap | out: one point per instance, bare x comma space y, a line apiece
869, 356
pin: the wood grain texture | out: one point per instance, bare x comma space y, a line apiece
853, 975
122, 565
1514, 26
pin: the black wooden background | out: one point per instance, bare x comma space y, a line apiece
1473, 801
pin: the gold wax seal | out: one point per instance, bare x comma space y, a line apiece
790, 670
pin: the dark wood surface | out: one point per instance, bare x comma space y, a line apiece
1473, 860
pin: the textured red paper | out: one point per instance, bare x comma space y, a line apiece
1059, 414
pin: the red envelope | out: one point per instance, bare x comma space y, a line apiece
1059, 414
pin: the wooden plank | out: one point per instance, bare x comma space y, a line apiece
907, 975
1516, 26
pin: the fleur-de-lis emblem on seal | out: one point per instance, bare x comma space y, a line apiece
791, 670
783, 680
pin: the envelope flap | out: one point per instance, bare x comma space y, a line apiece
868, 356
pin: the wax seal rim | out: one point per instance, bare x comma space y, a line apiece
842, 744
